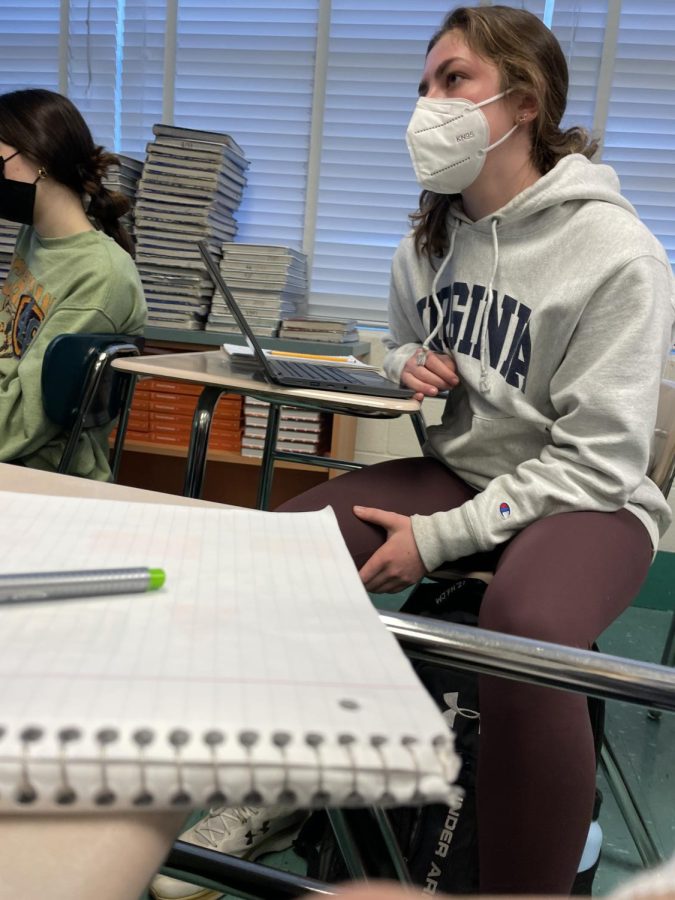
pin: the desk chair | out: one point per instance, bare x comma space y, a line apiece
80, 390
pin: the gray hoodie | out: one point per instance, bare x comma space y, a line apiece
560, 377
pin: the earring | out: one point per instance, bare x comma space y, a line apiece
42, 172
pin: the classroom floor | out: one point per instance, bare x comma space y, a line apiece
645, 747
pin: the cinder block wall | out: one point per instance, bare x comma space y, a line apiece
378, 440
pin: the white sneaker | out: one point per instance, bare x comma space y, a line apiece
243, 831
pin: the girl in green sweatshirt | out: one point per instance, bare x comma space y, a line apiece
66, 275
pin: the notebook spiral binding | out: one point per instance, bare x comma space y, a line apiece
103, 794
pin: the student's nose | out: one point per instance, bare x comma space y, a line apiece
435, 92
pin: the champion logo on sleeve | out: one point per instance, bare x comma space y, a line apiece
504, 510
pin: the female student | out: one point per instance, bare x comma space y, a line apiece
67, 275
530, 289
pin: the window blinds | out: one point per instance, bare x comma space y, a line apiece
319, 92
366, 187
29, 44
247, 68
640, 132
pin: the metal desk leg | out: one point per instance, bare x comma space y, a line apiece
668, 658
420, 427
127, 395
199, 441
267, 466
368, 845
396, 858
347, 845
649, 853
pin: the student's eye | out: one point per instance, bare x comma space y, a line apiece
452, 79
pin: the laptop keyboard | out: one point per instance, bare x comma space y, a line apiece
316, 372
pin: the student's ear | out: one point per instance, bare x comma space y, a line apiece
526, 109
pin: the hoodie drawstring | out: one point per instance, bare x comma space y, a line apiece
484, 348
434, 296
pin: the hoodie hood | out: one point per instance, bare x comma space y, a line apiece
574, 178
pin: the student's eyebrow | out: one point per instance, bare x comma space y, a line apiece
440, 71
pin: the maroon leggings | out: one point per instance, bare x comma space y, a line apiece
563, 579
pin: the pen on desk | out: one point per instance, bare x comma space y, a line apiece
25, 587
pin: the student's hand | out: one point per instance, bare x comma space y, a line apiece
439, 373
397, 564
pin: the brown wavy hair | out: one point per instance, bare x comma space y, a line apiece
530, 61
49, 129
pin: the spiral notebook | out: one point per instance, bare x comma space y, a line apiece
260, 673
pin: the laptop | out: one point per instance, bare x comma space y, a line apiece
302, 374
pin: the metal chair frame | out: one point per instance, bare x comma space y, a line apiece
91, 389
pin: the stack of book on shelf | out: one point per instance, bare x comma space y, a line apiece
192, 185
268, 282
8, 235
123, 178
317, 328
162, 413
300, 430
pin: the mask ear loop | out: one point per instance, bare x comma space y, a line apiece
508, 134
6, 159
501, 140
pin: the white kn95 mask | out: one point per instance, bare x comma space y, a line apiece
448, 141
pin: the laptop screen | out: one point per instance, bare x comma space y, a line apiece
219, 281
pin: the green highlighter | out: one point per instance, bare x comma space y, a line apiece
27, 587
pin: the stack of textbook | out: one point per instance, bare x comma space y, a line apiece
8, 235
300, 430
192, 185
162, 413
268, 282
122, 177
315, 328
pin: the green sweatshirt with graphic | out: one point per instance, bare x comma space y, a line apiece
85, 283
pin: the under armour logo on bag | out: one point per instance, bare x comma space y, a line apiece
454, 709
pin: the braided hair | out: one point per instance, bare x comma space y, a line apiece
47, 128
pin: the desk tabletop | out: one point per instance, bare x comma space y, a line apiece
213, 369
23, 480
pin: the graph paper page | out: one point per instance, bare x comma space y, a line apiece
261, 666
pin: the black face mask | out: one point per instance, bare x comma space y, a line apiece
17, 201
17, 198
